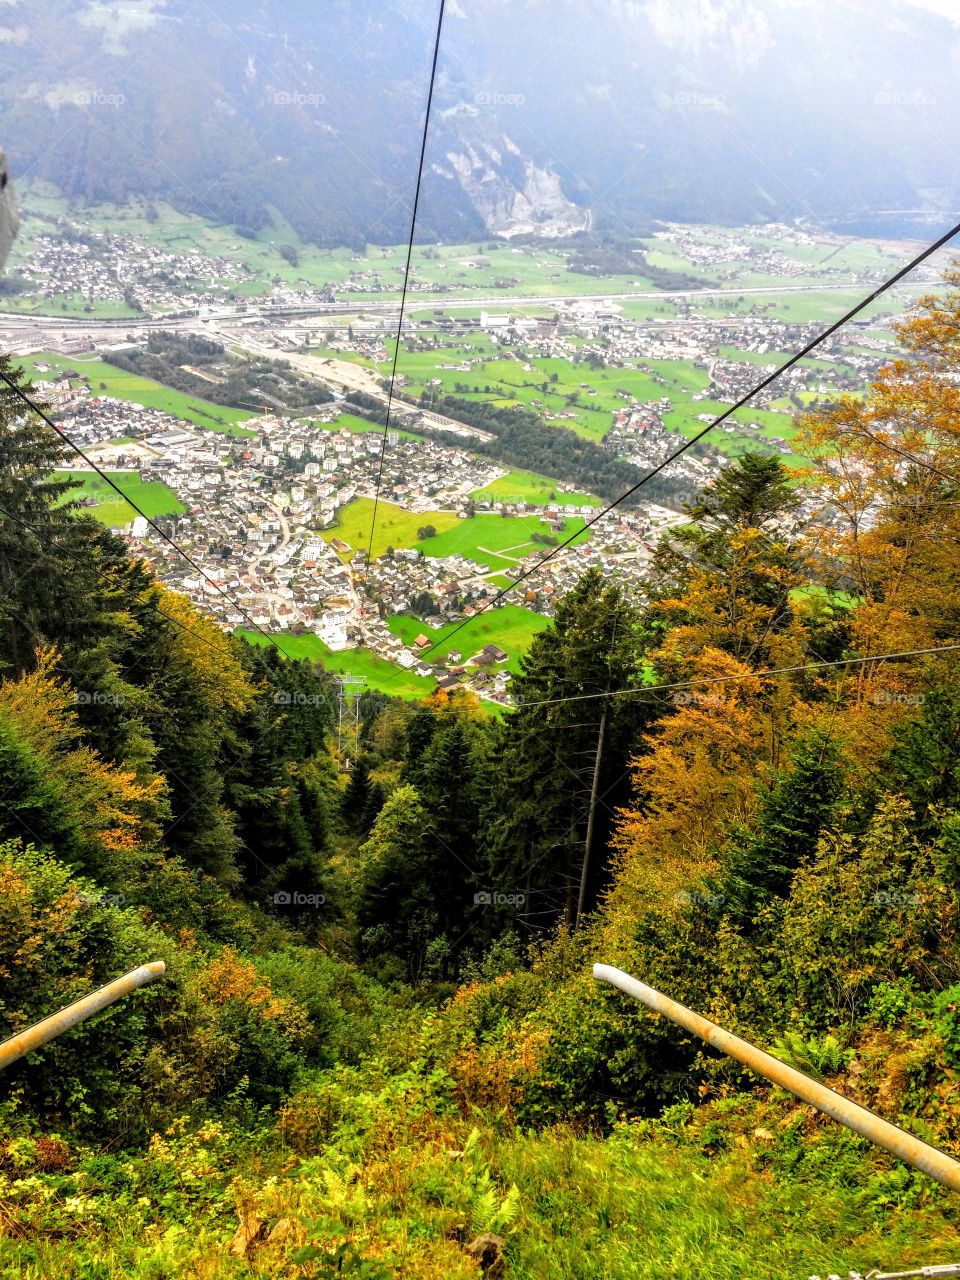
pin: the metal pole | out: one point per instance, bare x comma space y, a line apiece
591, 821
897, 1141
49, 1028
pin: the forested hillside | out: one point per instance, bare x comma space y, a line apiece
245, 110
378, 1050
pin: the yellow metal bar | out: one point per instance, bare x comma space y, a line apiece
897, 1141
49, 1028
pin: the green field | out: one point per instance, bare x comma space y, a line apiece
109, 381
495, 540
527, 486
153, 498
572, 395
562, 391
378, 673
395, 527
509, 627
480, 267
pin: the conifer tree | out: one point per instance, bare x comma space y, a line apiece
561, 762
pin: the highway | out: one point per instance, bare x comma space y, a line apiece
55, 324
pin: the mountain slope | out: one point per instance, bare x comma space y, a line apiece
720, 110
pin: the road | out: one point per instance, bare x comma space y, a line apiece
346, 377
426, 301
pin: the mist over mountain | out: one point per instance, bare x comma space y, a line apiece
549, 116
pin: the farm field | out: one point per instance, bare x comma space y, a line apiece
109, 381
482, 268
152, 497
685, 420
492, 539
576, 396
395, 527
583, 398
510, 627
527, 486
497, 541
67, 304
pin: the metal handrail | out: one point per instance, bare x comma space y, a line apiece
905, 1146
49, 1028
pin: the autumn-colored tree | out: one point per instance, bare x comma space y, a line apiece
60, 793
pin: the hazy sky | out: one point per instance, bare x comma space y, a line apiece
949, 8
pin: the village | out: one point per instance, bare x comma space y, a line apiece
107, 268
260, 520
278, 513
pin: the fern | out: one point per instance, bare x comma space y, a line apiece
814, 1055
489, 1210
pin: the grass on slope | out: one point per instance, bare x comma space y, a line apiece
152, 497
403, 1179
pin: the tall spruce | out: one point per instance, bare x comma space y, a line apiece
561, 761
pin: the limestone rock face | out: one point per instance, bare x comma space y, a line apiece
9, 212
511, 194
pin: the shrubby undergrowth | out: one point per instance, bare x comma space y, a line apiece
378, 1049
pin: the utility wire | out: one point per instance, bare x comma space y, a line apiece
744, 675
35, 408
688, 444
131, 591
30, 404
406, 276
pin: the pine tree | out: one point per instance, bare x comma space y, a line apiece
924, 763
396, 913
449, 794
357, 794
759, 864
561, 762
726, 578
60, 574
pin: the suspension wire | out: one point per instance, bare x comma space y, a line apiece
406, 277
743, 675
688, 444
41, 413
31, 405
